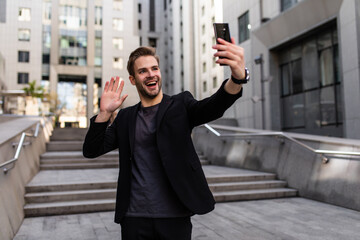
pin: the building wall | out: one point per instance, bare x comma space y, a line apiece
10, 45
280, 31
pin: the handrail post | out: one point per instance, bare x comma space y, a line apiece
18, 149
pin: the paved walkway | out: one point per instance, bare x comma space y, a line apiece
287, 218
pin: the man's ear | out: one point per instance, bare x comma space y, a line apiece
132, 80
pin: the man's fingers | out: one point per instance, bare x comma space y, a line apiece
111, 85
123, 98
121, 86
106, 88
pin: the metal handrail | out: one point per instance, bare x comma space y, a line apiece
18, 150
324, 153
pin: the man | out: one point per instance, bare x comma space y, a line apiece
161, 183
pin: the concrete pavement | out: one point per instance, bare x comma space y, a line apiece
286, 218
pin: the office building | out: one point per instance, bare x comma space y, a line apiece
303, 57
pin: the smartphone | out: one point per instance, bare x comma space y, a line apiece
222, 31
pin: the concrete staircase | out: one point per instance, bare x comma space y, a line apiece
64, 151
92, 194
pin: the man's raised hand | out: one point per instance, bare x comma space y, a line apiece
111, 99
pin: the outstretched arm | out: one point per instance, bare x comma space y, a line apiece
110, 99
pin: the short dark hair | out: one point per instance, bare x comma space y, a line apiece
139, 52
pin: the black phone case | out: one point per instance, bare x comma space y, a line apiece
222, 31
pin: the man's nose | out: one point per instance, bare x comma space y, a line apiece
151, 73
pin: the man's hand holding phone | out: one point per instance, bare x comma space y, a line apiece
233, 56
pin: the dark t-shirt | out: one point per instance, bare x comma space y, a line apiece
151, 193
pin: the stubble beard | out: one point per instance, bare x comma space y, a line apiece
142, 91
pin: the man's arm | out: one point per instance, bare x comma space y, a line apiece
214, 106
100, 138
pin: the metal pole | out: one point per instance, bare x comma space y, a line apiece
262, 90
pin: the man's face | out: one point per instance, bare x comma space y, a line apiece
147, 77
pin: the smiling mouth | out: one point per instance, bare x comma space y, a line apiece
151, 83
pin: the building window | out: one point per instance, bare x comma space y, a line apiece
139, 24
214, 82
310, 84
46, 58
286, 4
152, 42
117, 5
203, 48
24, 34
204, 86
118, 63
204, 67
72, 17
139, 8
118, 24
202, 10
3, 11
24, 14
98, 16
118, 43
23, 78
23, 56
152, 15
46, 11
165, 3
213, 20
244, 27
203, 29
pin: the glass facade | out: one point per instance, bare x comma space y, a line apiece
286, 4
243, 23
310, 84
73, 33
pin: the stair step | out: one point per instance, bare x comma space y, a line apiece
233, 186
73, 154
78, 166
68, 207
241, 178
71, 134
64, 146
78, 160
70, 186
254, 194
47, 197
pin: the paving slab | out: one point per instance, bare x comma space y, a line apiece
286, 218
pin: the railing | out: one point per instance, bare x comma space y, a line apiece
19, 147
325, 154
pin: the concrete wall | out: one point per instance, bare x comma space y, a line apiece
13, 183
337, 182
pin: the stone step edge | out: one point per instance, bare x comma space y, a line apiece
254, 194
53, 167
100, 193
112, 187
75, 186
42, 209
71, 207
73, 161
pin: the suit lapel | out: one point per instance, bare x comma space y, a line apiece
132, 124
164, 105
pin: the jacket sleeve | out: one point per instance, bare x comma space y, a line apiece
210, 108
100, 139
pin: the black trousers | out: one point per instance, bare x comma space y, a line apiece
138, 228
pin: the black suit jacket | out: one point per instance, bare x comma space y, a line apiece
176, 117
